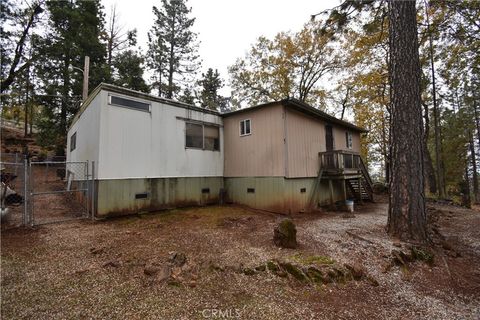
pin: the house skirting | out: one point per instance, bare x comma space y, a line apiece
284, 195
130, 196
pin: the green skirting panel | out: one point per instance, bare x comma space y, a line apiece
279, 194
130, 196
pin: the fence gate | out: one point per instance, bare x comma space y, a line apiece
59, 191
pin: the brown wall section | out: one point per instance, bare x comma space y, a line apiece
265, 154
260, 154
306, 138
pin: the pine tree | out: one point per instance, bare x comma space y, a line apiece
211, 83
129, 71
406, 214
172, 47
74, 31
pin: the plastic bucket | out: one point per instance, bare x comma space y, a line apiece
349, 205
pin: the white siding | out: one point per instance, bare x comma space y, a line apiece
137, 144
87, 128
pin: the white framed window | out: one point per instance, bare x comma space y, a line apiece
348, 140
245, 127
202, 136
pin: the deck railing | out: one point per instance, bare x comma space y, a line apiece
340, 160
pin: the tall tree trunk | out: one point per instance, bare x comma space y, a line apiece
476, 195
431, 183
438, 159
171, 60
477, 120
406, 214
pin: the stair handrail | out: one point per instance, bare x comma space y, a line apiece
367, 177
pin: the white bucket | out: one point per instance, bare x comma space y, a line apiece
349, 204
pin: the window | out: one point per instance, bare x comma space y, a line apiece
245, 127
348, 137
202, 136
194, 138
128, 103
73, 142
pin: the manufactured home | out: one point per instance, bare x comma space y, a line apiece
287, 156
149, 153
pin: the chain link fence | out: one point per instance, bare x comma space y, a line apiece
59, 191
35, 193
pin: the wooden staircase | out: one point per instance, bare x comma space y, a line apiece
361, 188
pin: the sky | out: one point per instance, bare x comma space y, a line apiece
226, 28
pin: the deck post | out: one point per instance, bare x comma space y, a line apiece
330, 186
344, 186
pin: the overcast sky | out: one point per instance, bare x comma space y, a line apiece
226, 28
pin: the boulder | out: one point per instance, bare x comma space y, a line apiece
285, 234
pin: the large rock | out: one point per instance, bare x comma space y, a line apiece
285, 234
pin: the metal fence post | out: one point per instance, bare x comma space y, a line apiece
25, 191
93, 190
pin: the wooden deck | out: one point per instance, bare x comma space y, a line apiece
348, 166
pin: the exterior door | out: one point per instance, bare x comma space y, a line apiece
328, 137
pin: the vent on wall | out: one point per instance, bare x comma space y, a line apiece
142, 195
128, 103
250, 190
206, 190
303, 190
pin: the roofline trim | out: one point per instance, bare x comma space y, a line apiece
303, 107
137, 94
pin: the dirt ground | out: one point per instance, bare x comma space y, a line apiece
117, 269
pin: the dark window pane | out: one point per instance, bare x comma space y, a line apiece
194, 136
242, 128
247, 126
212, 138
73, 141
130, 103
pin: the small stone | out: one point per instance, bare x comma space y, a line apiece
164, 273
315, 275
150, 270
272, 266
112, 263
285, 234
357, 270
96, 250
281, 274
192, 284
260, 268
294, 271
397, 244
178, 259
372, 281
248, 271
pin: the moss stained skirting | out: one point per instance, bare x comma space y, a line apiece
279, 194
130, 196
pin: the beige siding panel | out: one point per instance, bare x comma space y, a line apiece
306, 138
259, 154
340, 140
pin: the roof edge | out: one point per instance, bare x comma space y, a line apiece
137, 94
302, 107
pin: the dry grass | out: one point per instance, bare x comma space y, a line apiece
60, 271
